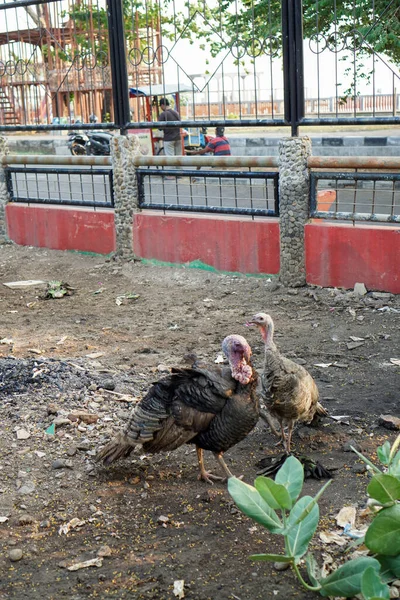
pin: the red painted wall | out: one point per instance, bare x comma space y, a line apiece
342, 255
61, 228
226, 243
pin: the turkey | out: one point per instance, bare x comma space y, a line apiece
213, 407
289, 391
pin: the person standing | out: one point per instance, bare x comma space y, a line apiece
172, 135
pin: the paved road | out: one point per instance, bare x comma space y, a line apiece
381, 197
64, 187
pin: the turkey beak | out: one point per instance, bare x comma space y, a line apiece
249, 324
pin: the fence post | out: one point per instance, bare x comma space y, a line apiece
123, 149
119, 71
293, 64
3, 191
294, 186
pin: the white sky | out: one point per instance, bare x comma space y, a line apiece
321, 75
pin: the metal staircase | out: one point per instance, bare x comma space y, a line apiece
8, 115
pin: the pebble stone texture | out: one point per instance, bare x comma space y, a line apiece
3, 191
123, 149
294, 183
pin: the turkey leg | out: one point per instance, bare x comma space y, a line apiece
218, 456
204, 475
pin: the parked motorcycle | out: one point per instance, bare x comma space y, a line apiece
95, 143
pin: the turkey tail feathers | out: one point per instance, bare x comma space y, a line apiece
119, 447
321, 410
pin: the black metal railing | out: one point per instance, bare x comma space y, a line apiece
355, 196
209, 191
92, 187
232, 62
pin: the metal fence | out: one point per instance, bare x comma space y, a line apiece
212, 191
90, 187
355, 196
235, 62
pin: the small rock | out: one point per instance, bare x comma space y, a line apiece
61, 421
108, 384
59, 463
45, 524
360, 289
52, 409
26, 520
83, 446
394, 592
23, 434
359, 468
15, 554
85, 417
162, 519
28, 488
281, 566
381, 295
72, 451
104, 551
346, 446
389, 422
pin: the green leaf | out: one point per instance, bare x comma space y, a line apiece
372, 587
383, 535
299, 534
390, 567
367, 461
393, 450
394, 467
250, 502
383, 453
275, 494
346, 580
384, 488
291, 476
313, 570
313, 502
272, 557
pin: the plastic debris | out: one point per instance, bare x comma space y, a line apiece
395, 361
323, 365
354, 345
219, 359
93, 562
51, 430
7, 341
179, 585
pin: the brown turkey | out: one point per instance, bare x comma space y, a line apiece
214, 407
289, 392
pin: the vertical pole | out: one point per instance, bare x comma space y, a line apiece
293, 67
119, 72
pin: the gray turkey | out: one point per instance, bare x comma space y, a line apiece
289, 392
213, 407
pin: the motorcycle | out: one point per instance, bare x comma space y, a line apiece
95, 143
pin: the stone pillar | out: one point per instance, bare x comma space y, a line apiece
3, 192
123, 149
294, 185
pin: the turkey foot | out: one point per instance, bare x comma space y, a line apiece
205, 475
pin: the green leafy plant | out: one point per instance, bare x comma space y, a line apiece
278, 507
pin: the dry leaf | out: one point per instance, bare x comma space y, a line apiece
332, 537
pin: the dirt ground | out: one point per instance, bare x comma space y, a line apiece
90, 352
